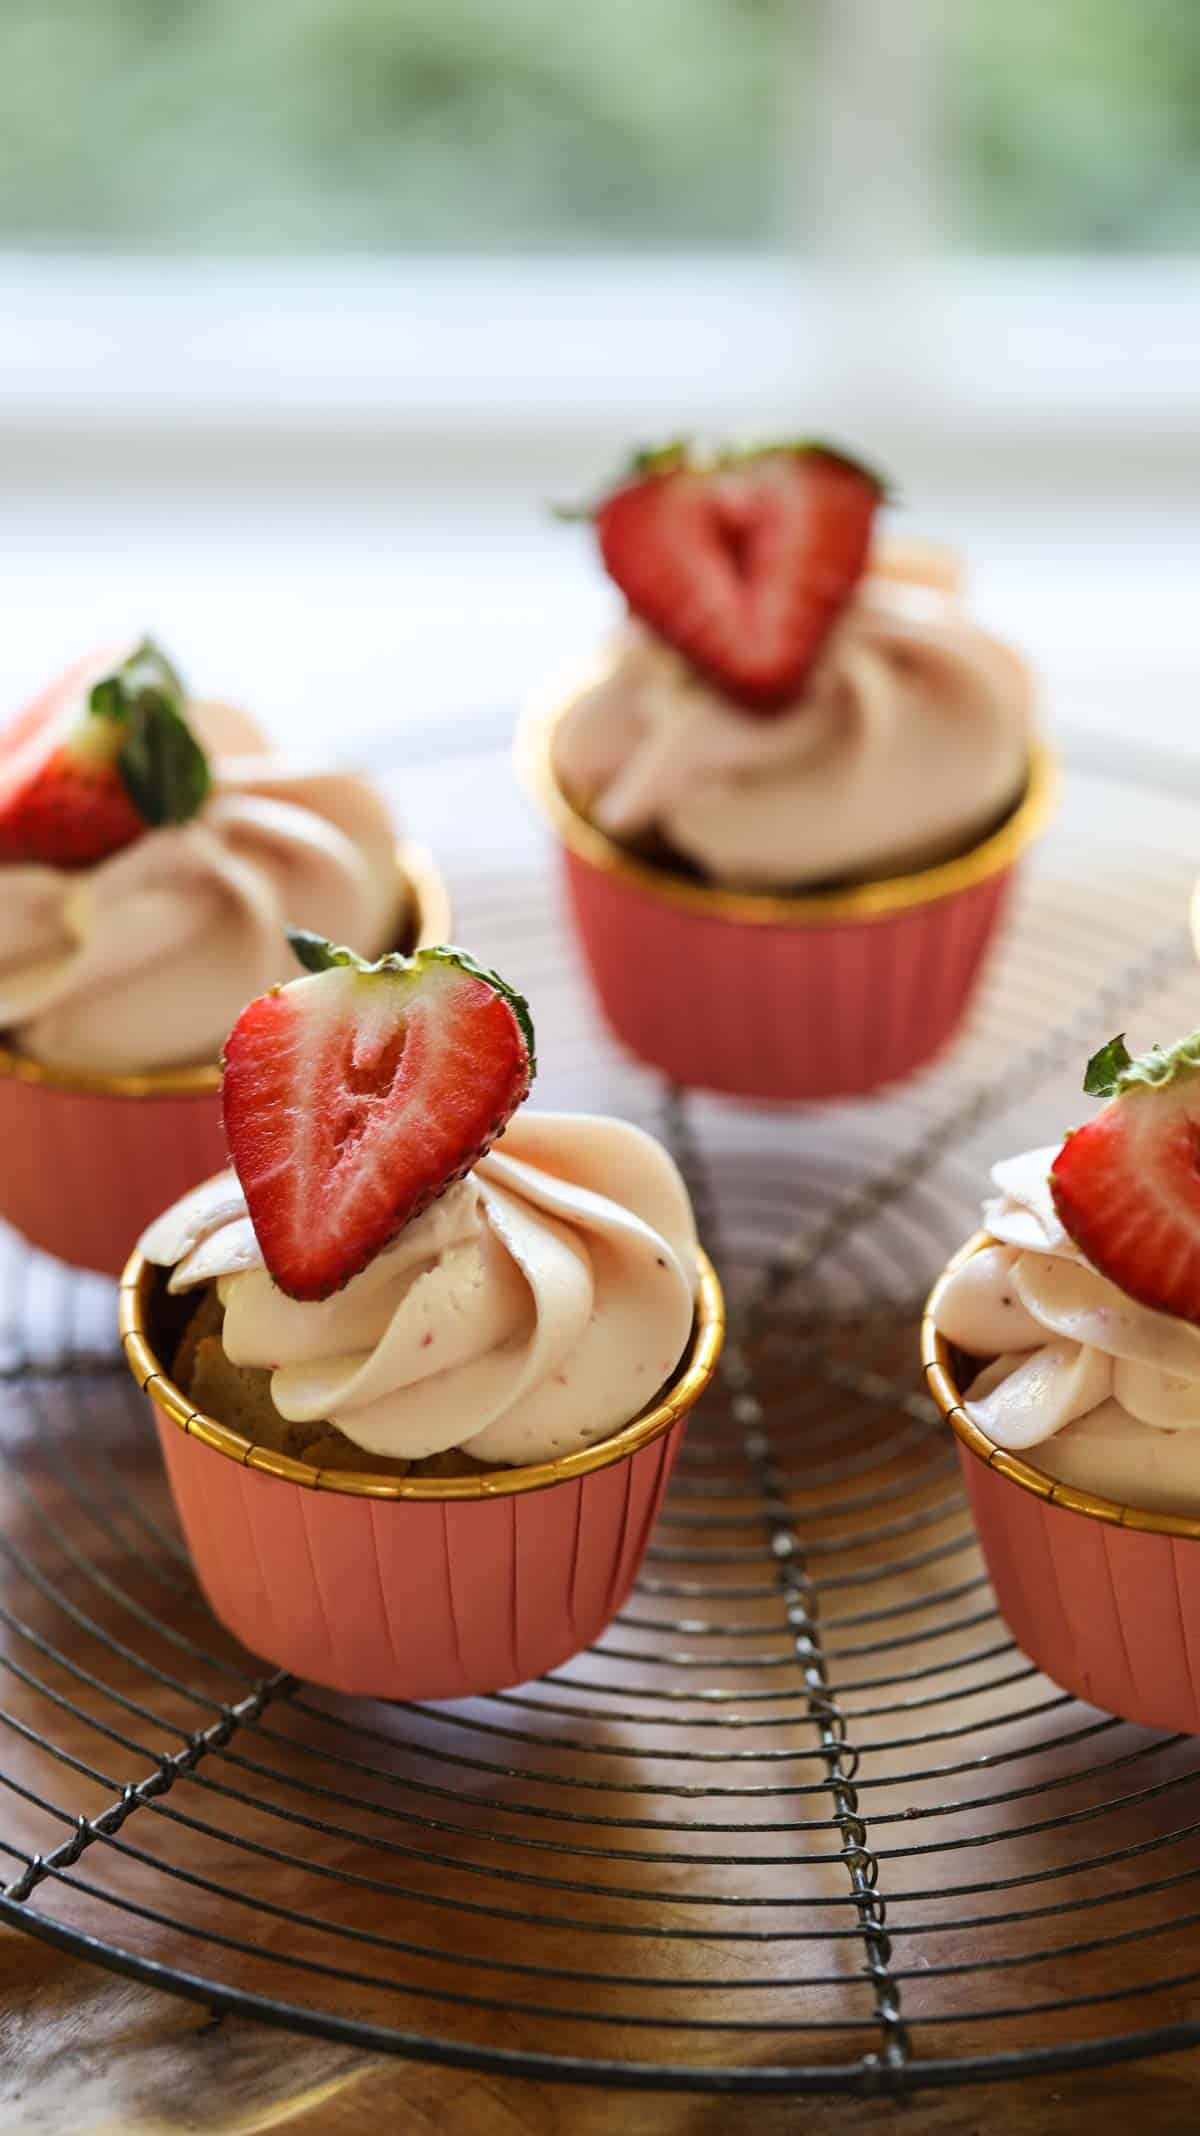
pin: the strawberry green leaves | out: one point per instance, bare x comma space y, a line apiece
318, 955
86, 770
165, 771
1102, 1077
1114, 1069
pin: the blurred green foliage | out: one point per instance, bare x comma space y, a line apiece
374, 123
304, 125
1074, 124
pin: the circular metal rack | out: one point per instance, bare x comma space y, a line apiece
805, 1819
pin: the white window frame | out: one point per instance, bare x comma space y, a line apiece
496, 349
873, 331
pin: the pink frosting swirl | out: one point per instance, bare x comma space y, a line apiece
911, 739
534, 1309
1099, 1391
145, 960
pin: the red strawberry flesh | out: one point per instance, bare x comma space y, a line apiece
353, 1098
101, 754
1127, 1185
63, 804
744, 566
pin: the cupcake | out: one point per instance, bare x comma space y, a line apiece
796, 783
418, 1395
1063, 1345
152, 850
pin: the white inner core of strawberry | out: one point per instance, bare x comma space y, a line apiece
370, 1067
364, 1057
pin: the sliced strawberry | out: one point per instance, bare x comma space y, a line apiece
97, 758
353, 1098
1127, 1185
743, 563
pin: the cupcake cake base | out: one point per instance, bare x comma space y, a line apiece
415, 1586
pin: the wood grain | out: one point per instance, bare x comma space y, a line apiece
85, 2054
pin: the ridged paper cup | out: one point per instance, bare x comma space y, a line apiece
86, 1161
1105, 1598
411, 1587
819, 995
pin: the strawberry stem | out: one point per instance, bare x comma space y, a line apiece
1114, 1070
163, 767
1104, 1071
681, 456
318, 955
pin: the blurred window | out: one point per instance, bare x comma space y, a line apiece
311, 125
1073, 125
601, 214
308, 126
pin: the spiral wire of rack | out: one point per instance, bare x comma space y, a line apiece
805, 1819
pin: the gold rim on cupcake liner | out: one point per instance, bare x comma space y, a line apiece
994, 855
432, 899
936, 1359
708, 1333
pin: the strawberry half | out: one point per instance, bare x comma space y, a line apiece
743, 563
97, 759
1127, 1186
353, 1098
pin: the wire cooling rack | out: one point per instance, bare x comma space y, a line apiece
805, 1819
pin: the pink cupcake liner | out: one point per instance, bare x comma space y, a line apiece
1105, 1598
83, 1172
781, 1012
1108, 1612
88, 1160
416, 1588
388, 1600
817, 995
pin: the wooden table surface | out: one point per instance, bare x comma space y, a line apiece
85, 2054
